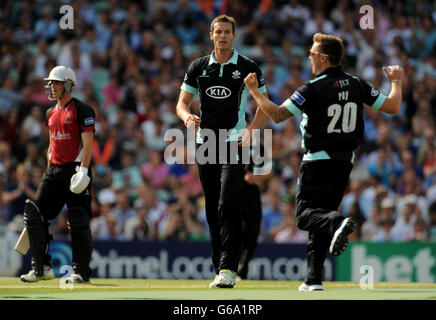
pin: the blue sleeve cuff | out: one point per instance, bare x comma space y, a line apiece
379, 102
288, 104
262, 89
188, 88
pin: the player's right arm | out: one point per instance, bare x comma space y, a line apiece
187, 92
183, 110
274, 112
393, 101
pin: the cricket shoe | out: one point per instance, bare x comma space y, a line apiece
214, 282
75, 278
225, 279
310, 287
31, 275
340, 238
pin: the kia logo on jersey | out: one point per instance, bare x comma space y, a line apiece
218, 92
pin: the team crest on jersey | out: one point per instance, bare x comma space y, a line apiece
236, 74
298, 98
374, 92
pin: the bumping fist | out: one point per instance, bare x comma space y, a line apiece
251, 81
394, 73
80, 180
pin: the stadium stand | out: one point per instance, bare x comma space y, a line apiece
130, 58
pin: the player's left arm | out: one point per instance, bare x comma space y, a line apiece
273, 111
86, 119
393, 101
259, 117
376, 100
87, 140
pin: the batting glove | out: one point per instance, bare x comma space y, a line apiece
80, 180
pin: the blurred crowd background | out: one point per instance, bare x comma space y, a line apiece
130, 58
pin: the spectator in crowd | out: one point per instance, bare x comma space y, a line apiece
32, 123
46, 27
372, 226
384, 234
103, 227
122, 210
403, 228
16, 193
271, 215
287, 231
155, 171
138, 227
129, 175
420, 230
9, 97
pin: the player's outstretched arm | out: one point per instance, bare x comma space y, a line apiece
393, 101
274, 112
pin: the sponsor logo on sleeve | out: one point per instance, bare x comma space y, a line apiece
298, 98
262, 79
89, 121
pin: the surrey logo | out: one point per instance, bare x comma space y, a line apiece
236, 74
218, 92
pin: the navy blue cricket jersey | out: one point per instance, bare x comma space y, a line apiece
332, 109
222, 92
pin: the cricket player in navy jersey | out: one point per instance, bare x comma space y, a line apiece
66, 181
332, 128
218, 78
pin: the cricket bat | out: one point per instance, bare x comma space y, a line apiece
22, 246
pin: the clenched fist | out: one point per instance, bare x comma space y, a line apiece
251, 81
396, 73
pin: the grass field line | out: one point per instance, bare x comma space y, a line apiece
228, 294
120, 284
156, 289
15, 283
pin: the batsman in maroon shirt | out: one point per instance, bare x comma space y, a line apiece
66, 181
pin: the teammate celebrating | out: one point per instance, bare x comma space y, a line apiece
219, 79
332, 128
66, 181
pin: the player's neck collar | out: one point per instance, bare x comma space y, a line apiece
233, 59
65, 105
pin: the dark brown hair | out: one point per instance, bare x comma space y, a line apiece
332, 46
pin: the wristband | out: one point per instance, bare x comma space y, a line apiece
83, 169
395, 80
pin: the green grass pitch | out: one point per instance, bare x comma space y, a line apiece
145, 289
